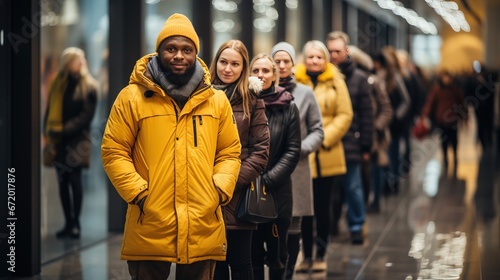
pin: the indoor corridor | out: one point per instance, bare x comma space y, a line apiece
436, 227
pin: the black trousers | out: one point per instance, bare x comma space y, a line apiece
275, 236
71, 193
322, 188
239, 257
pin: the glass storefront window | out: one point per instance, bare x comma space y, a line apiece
82, 24
157, 13
226, 24
426, 51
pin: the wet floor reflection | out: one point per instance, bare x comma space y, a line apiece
439, 226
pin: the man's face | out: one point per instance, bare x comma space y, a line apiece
177, 54
338, 51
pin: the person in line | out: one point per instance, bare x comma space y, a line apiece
386, 68
230, 72
417, 94
382, 116
284, 154
328, 162
358, 139
71, 106
446, 106
311, 131
172, 151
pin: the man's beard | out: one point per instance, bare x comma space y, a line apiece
178, 79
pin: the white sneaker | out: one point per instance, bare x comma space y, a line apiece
319, 265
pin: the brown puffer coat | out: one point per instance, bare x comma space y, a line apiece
254, 139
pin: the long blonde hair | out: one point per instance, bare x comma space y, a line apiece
86, 82
242, 85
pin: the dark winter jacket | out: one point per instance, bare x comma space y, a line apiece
445, 105
77, 113
359, 138
284, 125
254, 139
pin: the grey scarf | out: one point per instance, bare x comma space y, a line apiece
180, 93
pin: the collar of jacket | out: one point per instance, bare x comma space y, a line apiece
347, 67
233, 95
328, 75
140, 75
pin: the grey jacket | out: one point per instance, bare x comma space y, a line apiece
311, 131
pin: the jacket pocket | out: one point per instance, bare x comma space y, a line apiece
195, 132
197, 125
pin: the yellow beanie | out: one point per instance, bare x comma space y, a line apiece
178, 25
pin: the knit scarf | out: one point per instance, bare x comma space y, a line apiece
276, 98
55, 107
180, 92
288, 83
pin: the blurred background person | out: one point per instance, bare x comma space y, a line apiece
446, 105
385, 67
382, 115
358, 139
311, 131
230, 72
479, 87
417, 93
71, 105
284, 154
328, 162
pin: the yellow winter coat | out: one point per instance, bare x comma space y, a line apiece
187, 162
336, 109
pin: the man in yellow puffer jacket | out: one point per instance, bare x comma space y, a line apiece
171, 149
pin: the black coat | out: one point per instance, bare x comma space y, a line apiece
359, 138
284, 153
75, 148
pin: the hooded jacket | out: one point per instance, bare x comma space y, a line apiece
336, 110
186, 161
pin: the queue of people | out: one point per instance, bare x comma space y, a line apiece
184, 140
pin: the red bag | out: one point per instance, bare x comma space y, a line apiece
421, 128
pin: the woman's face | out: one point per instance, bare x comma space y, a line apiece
263, 69
315, 60
75, 65
284, 63
229, 66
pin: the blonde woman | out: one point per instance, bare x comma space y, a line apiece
284, 154
71, 106
329, 161
229, 72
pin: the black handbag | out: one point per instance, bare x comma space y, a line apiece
257, 205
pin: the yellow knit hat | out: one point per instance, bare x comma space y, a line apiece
178, 25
